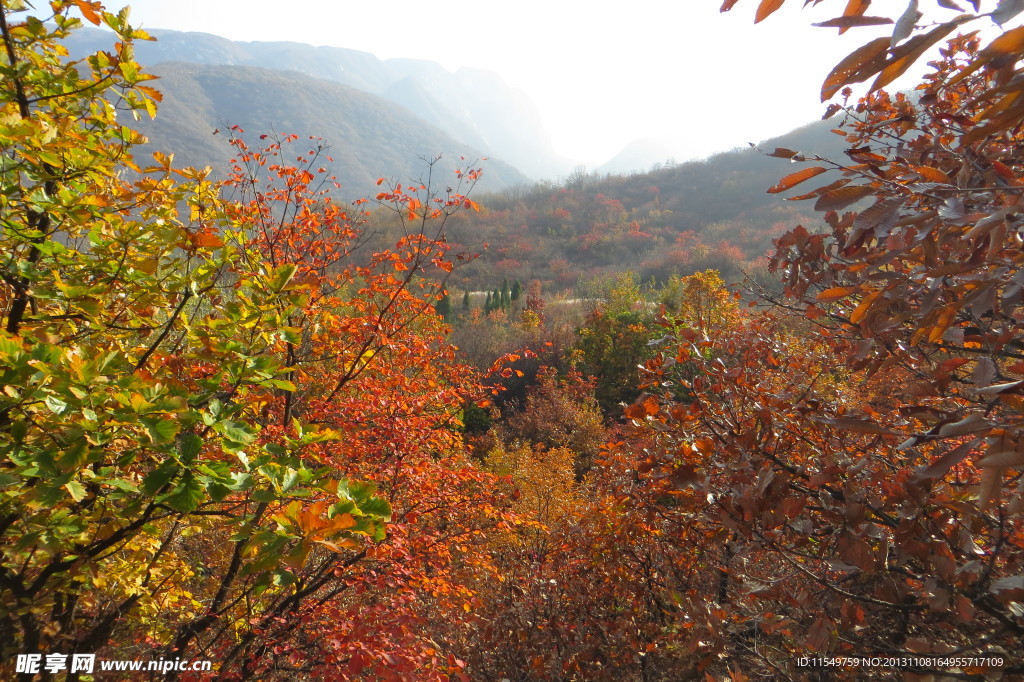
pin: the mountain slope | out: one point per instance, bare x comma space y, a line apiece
369, 137
474, 107
678, 219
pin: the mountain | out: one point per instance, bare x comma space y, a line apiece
644, 155
676, 219
476, 108
369, 136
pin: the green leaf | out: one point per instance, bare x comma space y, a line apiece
189, 448
235, 432
279, 280
160, 429
187, 495
377, 506
155, 480
76, 489
56, 405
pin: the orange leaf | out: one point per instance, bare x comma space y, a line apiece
794, 179
207, 239
835, 293
861, 310
907, 54
1004, 171
88, 10
856, 8
932, 174
856, 67
766, 9
1010, 42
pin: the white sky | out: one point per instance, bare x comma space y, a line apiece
601, 73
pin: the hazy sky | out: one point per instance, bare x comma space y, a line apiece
601, 73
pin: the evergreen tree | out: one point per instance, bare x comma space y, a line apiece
444, 307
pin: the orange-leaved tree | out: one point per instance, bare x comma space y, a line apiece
368, 363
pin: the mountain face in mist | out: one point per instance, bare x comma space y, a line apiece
369, 136
644, 155
650, 153
475, 108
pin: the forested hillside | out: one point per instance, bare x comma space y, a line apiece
680, 219
251, 432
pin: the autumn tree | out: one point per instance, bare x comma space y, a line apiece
112, 287
200, 383
613, 341
853, 476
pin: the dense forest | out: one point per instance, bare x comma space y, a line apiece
251, 432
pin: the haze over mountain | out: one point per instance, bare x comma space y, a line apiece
473, 107
369, 137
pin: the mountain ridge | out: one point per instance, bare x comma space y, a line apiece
461, 103
369, 136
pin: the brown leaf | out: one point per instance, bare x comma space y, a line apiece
841, 198
854, 550
984, 373
820, 190
972, 423
1010, 42
933, 174
864, 306
1008, 589
782, 153
851, 22
998, 389
990, 486
819, 634
854, 424
1003, 453
880, 213
794, 179
938, 467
